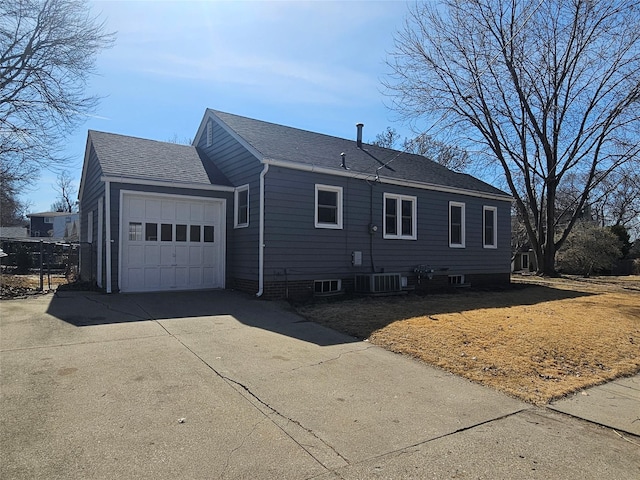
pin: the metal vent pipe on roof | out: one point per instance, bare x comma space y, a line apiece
359, 137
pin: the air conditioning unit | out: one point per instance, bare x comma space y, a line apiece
378, 283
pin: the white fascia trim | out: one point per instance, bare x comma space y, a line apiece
161, 183
387, 180
85, 166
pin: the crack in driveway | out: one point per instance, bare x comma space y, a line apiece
240, 387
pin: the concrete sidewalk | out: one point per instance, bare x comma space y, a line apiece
220, 385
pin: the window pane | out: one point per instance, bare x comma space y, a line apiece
327, 215
456, 225
208, 233
407, 217
243, 207
390, 216
327, 207
488, 227
181, 233
166, 232
151, 232
327, 198
194, 233
135, 231
456, 215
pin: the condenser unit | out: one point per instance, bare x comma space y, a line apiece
378, 283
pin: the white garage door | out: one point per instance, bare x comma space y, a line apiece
171, 243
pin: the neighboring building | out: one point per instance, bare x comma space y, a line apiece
524, 261
279, 211
59, 225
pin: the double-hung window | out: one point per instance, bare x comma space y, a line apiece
328, 210
490, 227
399, 217
241, 206
456, 225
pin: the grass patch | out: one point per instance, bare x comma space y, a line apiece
537, 341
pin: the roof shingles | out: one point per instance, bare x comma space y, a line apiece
131, 157
278, 142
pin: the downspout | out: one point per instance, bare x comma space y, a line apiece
107, 201
261, 234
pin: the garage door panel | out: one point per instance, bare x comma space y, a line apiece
152, 209
152, 277
182, 277
167, 256
182, 255
180, 260
151, 255
196, 213
168, 210
137, 256
136, 209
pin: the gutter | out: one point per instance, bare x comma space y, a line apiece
388, 180
261, 234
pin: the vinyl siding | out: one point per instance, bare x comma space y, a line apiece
295, 249
92, 190
241, 168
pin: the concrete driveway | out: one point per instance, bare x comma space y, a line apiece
220, 385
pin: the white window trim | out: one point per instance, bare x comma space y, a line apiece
414, 216
463, 225
486, 209
236, 193
328, 188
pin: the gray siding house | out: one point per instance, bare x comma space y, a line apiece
282, 212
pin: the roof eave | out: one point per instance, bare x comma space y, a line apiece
387, 180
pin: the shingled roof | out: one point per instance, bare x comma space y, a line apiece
139, 158
286, 144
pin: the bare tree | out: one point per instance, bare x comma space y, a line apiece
66, 193
544, 88
48, 50
445, 154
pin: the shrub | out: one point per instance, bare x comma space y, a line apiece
589, 249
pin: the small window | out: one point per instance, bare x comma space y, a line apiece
490, 222
166, 232
135, 231
151, 232
242, 206
326, 286
400, 216
456, 225
525, 261
48, 219
328, 211
208, 233
194, 233
456, 279
181, 233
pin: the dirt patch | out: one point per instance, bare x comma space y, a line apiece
14, 286
538, 341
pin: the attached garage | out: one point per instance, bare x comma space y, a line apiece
171, 242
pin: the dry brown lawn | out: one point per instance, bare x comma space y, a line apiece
538, 341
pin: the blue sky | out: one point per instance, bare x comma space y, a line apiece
315, 65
